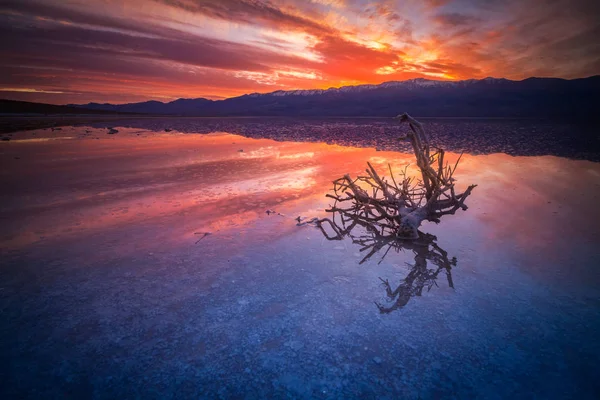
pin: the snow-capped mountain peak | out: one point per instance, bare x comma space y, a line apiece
407, 84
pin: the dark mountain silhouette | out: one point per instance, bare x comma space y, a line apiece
177, 107
489, 97
27, 107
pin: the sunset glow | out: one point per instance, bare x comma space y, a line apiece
126, 51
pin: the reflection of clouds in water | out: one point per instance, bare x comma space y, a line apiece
274, 152
378, 160
77, 186
538, 207
220, 205
232, 221
34, 140
263, 152
596, 174
296, 179
308, 154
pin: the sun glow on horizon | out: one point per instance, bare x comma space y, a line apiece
127, 51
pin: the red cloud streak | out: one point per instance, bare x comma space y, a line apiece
125, 51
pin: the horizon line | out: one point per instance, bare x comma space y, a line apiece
305, 90
343, 86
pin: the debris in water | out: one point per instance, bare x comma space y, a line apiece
204, 234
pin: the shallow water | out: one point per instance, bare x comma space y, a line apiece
518, 137
110, 287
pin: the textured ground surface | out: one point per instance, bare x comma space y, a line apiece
518, 137
105, 291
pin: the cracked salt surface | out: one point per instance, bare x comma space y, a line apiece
106, 292
518, 137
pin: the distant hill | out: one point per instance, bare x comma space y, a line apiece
489, 97
26, 107
177, 107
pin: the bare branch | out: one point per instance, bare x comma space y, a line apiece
405, 203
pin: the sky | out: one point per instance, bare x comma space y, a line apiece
123, 51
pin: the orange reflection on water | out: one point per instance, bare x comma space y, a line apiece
166, 187
60, 189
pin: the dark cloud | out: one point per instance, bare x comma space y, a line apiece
435, 3
455, 19
458, 70
250, 12
384, 10
20, 14
108, 47
74, 42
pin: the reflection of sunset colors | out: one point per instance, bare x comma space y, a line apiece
217, 181
123, 51
175, 185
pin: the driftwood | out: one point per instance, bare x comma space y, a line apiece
375, 237
400, 206
387, 215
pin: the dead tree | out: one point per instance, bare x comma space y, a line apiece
401, 205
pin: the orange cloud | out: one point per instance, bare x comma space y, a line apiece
119, 51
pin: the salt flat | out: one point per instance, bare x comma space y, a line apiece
110, 289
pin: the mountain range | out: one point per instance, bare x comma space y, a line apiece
27, 107
489, 97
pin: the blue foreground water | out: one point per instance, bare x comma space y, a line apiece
145, 265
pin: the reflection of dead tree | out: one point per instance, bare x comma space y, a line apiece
373, 237
420, 276
400, 206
